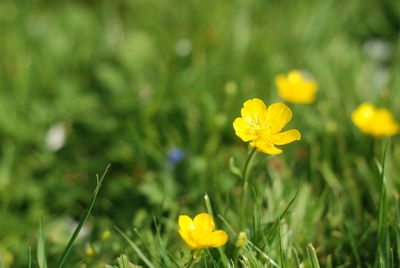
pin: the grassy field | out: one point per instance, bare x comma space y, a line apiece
152, 88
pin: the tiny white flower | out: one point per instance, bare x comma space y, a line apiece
55, 137
183, 47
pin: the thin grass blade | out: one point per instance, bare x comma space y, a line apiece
135, 248
41, 246
68, 248
210, 211
312, 254
383, 255
29, 257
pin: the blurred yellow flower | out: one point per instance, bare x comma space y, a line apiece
8, 258
198, 233
262, 126
296, 87
105, 235
374, 121
89, 251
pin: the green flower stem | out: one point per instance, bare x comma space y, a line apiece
193, 256
245, 178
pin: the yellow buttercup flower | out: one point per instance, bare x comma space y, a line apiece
296, 87
261, 126
374, 121
199, 233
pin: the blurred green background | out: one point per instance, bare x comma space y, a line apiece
87, 83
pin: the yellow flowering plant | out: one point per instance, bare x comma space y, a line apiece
199, 233
296, 87
261, 126
377, 122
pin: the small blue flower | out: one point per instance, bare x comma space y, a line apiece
175, 155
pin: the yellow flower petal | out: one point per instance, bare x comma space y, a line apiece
185, 227
254, 112
202, 239
243, 129
285, 137
186, 237
218, 238
185, 222
384, 123
265, 146
203, 222
278, 115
